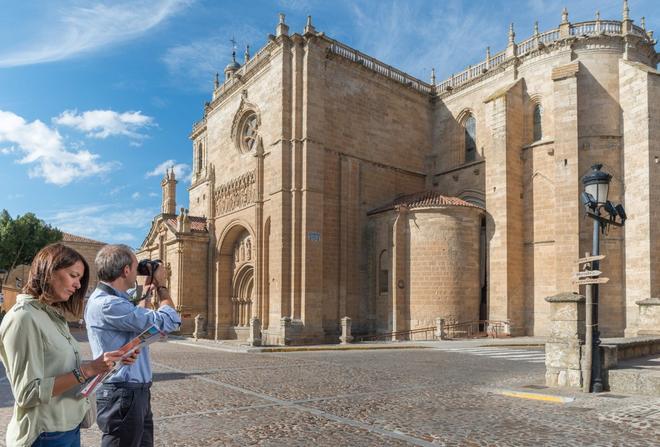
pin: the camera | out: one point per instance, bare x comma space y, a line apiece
147, 267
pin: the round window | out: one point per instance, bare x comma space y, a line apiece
249, 131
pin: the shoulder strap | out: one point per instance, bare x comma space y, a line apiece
107, 289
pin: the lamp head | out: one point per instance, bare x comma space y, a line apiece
597, 183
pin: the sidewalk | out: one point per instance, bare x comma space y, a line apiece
240, 346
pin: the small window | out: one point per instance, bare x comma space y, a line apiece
470, 139
383, 273
200, 158
538, 127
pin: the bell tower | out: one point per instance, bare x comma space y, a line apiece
169, 192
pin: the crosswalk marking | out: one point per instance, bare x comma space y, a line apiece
516, 355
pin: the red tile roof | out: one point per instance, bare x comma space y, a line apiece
423, 199
197, 223
68, 237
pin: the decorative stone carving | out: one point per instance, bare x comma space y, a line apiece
237, 193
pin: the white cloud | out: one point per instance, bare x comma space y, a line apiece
181, 170
135, 195
44, 148
72, 29
7, 150
104, 123
106, 223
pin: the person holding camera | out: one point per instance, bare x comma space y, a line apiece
113, 319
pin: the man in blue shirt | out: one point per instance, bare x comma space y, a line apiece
124, 402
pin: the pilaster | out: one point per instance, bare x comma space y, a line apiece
567, 174
639, 85
504, 204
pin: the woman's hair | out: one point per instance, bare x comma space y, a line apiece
51, 258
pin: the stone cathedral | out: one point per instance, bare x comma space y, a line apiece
328, 184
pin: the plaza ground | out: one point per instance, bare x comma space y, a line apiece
448, 393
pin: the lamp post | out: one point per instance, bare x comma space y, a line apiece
597, 185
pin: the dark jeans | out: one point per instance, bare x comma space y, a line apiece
124, 415
69, 438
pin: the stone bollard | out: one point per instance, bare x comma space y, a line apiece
564, 348
285, 330
255, 332
200, 326
346, 336
440, 328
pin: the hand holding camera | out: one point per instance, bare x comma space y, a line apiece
156, 276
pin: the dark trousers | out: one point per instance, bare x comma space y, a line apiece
124, 415
69, 438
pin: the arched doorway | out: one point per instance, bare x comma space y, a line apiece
235, 283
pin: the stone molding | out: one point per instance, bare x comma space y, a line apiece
565, 71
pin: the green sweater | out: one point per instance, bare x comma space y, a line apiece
36, 346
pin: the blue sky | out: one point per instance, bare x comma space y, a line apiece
98, 98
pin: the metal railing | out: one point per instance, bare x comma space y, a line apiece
401, 335
467, 329
477, 329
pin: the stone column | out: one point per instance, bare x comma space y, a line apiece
254, 338
345, 331
564, 347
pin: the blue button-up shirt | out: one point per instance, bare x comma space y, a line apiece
112, 321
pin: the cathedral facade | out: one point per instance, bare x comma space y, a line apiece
327, 184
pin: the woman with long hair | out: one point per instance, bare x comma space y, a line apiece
42, 359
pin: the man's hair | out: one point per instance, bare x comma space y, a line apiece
111, 260
51, 258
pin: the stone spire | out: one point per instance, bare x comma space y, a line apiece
432, 76
246, 55
536, 28
309, 28
487, 58
168, 184
564, 26
282, 28
511, 47
643, 23
183, 221
626, 24
216, 82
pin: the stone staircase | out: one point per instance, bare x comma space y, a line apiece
636, 376
634, 365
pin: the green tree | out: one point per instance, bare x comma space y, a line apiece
22, 238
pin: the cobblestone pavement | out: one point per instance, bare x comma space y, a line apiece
203, 396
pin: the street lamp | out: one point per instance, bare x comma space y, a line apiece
594, 198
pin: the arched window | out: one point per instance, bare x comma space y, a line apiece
470, 125
200, 158
538, 127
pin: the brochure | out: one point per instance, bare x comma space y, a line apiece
150, 335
